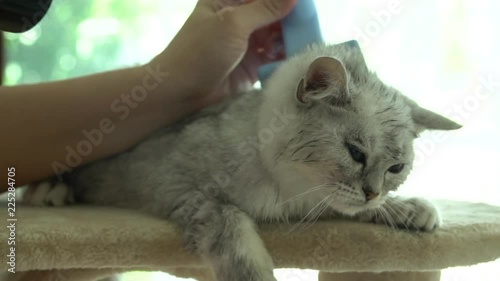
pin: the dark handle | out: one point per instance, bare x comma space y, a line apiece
21, 15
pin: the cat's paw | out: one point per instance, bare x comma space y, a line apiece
422, 215
413, 214
47, 193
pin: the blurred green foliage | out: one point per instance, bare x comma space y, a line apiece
75, 38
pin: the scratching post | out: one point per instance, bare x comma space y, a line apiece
62, 275
88, 243
384, 276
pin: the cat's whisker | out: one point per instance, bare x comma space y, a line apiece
322, 210
305, 145
390, 218
382, 216
312, 189
394, 223
304, 225
398, 217
387, 218
405, 216
401, 216
396, 202
391, 212
399, 204
307, 215
311, 223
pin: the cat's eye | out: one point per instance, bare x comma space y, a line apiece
396, 169
356, 154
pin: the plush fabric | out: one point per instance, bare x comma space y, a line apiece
384, 276
78, 238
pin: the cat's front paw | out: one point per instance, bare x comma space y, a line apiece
423, 215
48, 193
413, 213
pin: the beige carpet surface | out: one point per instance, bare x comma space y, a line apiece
84, 237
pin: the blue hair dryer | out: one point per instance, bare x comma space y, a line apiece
300, 29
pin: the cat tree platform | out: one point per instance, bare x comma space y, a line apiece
81, 243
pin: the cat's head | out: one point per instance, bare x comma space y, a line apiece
347, 132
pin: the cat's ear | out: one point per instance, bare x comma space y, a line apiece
326, 78
356, 64
427, 120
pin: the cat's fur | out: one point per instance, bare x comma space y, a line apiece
274, 155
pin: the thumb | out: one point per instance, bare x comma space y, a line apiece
260, 13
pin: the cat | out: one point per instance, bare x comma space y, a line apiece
324, 137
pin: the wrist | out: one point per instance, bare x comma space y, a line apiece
172, 93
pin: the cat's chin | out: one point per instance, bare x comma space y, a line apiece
352, 210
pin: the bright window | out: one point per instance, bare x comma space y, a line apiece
443, 54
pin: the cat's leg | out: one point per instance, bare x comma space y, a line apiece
405, 213
226, 238
48, 193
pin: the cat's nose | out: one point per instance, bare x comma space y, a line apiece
370, 195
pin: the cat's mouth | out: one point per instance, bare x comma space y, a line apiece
348, 205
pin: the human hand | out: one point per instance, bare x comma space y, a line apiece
215, 53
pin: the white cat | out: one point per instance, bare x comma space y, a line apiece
324, 137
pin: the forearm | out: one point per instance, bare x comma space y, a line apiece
49, 127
